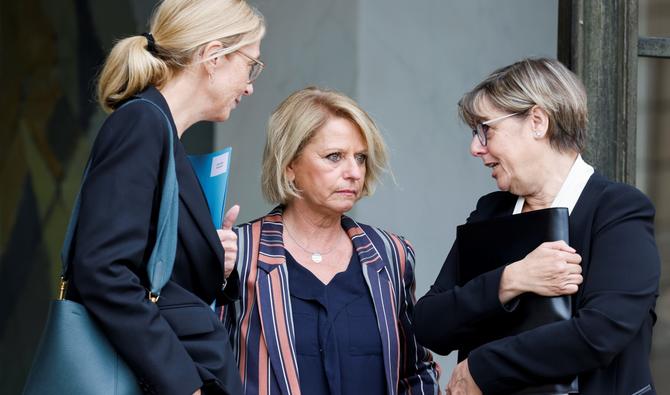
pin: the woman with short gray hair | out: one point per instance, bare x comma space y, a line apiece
528, 125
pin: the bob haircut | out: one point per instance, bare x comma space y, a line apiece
541, 82
293, 124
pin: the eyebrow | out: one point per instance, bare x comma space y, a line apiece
339, 149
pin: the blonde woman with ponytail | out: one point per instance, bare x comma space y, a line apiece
196, 62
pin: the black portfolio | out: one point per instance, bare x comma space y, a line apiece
486, 245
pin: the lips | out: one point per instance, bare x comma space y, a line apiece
492, 166
347, 192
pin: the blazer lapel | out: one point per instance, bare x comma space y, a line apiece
382, 293
194, 200
581, 221
274, 303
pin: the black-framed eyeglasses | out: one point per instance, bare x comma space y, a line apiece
256, 67
481, 130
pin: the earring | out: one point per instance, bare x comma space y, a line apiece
211, 78
537, 133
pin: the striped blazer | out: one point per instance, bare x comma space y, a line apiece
261, 324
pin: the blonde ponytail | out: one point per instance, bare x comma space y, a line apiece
129, 69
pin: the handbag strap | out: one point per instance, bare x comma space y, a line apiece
161, 261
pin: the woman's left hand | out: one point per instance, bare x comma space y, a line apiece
228, 240
461, 382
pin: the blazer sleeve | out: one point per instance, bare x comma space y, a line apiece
619, 292
113, 236
449, 316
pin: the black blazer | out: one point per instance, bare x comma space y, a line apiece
177, 345
606, 343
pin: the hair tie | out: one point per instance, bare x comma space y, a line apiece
151, 43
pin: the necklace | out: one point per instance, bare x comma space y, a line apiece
316, 256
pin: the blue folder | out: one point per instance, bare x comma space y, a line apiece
212, 170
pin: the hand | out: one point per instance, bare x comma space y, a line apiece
228, 240
552, 269
197, 392
461, 382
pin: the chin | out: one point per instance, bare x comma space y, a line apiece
343, 208
502, 187
223, 117
220, 116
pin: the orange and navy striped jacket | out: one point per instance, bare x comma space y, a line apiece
261, 324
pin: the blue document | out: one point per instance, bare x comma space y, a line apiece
212, 171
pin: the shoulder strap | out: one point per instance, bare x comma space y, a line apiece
161, 261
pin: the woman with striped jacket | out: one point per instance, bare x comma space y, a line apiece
325, 302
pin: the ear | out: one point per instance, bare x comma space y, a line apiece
290, 173
539, 121
211, 51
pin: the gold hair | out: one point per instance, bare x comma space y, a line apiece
180, 29
294, 123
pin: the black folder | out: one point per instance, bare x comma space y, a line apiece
486, 245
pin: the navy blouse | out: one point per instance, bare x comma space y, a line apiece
338, 347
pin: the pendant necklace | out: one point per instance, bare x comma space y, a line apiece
316, 256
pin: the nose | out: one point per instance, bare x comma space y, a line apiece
249, 89
354, 170
476, 147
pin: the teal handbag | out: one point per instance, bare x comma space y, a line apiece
74, 355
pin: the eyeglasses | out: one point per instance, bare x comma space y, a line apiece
256, 67
481, 130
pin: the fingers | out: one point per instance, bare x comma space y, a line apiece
571, 284
461, 381
573, 279
228, 241
559, 250
574, 259
230, 217
226, 234
558, 245
568, 289
570, 257
227, 238
456, 383
547, 251
552, 269
573, 268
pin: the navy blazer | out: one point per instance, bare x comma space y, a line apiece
177, 345
608, 340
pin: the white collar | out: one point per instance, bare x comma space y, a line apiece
570, 190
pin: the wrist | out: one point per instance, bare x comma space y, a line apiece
509, 288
